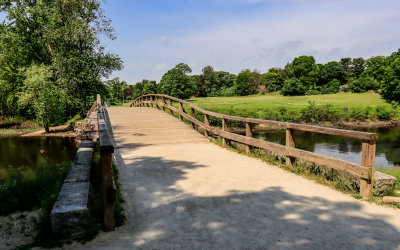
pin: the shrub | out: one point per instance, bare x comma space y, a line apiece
313, 92
362, 84
293, 87
331, 88
384, 112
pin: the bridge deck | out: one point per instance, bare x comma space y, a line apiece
183, 192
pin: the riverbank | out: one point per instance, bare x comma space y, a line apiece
14, 126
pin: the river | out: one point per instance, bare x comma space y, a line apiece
27, 153
387, 146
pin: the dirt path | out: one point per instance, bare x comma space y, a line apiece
183, 192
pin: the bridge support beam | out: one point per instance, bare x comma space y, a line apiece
249, 133
290, 143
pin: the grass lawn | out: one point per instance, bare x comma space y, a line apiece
261, 102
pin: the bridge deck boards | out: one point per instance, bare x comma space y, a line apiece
183, 192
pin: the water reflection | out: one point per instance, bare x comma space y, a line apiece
22, 153
387, 150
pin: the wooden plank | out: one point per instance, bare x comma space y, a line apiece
368, 160
224, 128
192, 112
181, 111
108, 192
170, 105
249, 133
391, 199
207, 123
163, 101
290, 143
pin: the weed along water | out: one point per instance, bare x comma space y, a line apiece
387, 147
25, 154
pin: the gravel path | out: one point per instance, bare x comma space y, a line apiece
183, 192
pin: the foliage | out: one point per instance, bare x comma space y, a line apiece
391, 80
362, 84
304, 72
331, 88
119, 90
177, 83
273, 80
313, 92
47, 100
293, 87
62, 36
29, 190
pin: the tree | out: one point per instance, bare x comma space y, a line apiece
274, 79
47, 100
362, 84
346, 63
149, 87
390, 84
304, 69
245, 83
63, 35
375, 67
330, 71
357, 67
293, 87
177, 83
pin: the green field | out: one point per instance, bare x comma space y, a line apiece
273, 100
333, 108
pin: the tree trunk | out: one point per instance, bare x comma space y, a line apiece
46, 128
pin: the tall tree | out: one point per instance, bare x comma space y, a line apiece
63, 35
177, 83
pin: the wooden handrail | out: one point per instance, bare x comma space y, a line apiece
364, 171
106, 151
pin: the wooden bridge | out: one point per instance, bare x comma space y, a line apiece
184, 192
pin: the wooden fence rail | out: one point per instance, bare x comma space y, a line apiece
365, 171
106, 151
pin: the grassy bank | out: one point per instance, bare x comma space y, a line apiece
333, 108
11, 126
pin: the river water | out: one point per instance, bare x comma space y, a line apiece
27, 153
387, 146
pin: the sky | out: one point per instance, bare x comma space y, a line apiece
231, 35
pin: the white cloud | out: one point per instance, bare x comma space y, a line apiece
328, 30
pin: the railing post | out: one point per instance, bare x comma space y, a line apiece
181, 109
206, 122
151, 101
290, 143
368, 160
249, 133
192, 114
224, 128
170, 104
108, 187
163, 101
156, 100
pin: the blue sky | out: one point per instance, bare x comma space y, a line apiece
155, 35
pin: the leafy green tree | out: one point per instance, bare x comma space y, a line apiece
150, 87
357, 67
226, 79
63, 35
390, 84
245, 83
346, 64
331, 87
375, 67
274, 79
177, 83
330, 71
48, 100
362, 84
304, 69
293, 87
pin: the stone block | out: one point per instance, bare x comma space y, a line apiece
70, 214
78, 173
383, 183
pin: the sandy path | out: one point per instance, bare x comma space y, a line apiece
183, 192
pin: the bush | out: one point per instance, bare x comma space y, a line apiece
313, 92
384, 112
331, 88
362, 84
293, 87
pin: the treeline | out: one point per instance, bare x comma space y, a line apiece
302, 76
51, 60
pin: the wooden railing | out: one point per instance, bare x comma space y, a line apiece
365, 171
106, 151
